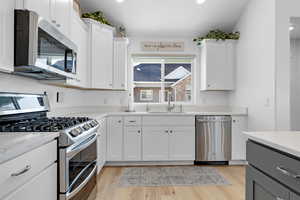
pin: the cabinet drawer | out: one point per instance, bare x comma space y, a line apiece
35, 161
133, 121
261, 187
278, 165
169, 120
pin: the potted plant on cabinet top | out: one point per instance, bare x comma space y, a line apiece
98, 16
218, 35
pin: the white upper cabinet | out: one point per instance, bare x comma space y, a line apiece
218, 65
41, 7
7, 36
60, 14
120, 63
79, 35
57, 12
101, 52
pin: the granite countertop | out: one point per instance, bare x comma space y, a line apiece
13, 145
287, 141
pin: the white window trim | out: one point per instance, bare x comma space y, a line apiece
194, 71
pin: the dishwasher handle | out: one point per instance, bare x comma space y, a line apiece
213, 120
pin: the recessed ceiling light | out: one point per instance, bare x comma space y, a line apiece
200, 1
120, 1
292, 27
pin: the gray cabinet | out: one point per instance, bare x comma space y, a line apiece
294, 196
271, 175
261, 187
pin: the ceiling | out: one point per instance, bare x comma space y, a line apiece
169, 18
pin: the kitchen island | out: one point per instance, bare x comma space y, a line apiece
274, 166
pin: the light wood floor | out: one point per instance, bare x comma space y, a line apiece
108, 188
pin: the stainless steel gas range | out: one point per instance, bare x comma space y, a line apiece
77, 142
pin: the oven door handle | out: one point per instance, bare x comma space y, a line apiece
75, 150
70, 195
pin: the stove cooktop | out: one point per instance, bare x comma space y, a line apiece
44, 124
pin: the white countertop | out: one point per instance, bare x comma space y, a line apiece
99, 115
287, 141
13, 145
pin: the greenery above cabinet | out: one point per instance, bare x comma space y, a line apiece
218, 35
98, 16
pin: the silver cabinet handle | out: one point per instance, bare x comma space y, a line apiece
132, 121
23, 171
139, 131
287, 173
166, 131
171, 131
119, 121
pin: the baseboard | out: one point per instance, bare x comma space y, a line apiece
147, 163
238, 162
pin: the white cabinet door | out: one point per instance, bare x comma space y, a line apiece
43, 186
60, 14
239, 124
155, 144
132, 143
41, 7
102, 57
101, 144
79, 35
182, 143
7, 36
115, 139
120, 64
217, 65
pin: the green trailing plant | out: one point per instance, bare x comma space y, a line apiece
98, 16
218, 35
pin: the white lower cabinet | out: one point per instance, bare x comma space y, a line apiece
146, 139
132, 143
182, 143
239, 125
155, 144
43, 186
101, 144
115, 138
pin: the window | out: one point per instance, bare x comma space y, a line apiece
157, 79
146, 95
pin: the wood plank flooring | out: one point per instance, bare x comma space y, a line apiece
108, 189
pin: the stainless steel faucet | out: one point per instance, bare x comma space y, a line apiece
170, 108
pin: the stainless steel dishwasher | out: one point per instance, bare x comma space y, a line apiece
213, 139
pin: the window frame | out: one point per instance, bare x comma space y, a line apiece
162, 89
146, 90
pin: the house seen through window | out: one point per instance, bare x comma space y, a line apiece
157, 79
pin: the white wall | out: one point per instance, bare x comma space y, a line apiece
201, 98
255, 73
285, 9
70, 97
295, 84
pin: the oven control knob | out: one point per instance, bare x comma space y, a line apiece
74, 132
86, 127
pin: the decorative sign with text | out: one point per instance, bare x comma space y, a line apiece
162, 46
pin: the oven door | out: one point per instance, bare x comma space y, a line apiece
78, 169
